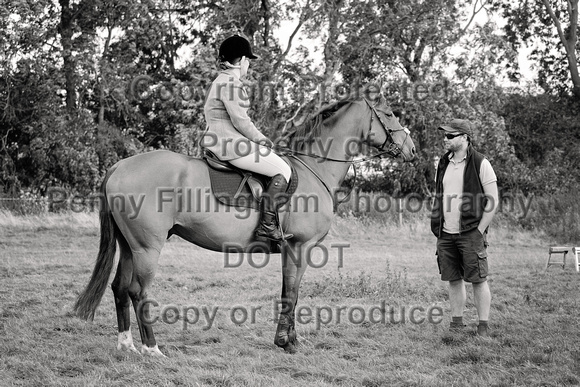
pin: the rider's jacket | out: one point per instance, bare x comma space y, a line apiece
230, 132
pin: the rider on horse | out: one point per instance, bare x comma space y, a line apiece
232, 136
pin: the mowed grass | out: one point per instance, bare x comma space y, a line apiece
45, 261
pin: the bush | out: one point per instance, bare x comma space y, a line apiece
558, 216
26, 204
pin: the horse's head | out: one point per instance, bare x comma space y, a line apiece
380, 129
386, 134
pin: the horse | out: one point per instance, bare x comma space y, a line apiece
328, 137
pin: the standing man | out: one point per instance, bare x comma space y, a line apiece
466, 199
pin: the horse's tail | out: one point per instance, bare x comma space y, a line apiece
90, 298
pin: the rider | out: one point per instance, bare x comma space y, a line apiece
231, 135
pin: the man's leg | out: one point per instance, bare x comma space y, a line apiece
457, 297
451, 270
482, 299
473, 249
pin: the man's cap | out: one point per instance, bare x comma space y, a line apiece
458, 126
234, 47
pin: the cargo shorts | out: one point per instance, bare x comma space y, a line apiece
462, 256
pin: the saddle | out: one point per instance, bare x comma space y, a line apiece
236, 187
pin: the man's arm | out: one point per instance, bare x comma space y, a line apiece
490, 190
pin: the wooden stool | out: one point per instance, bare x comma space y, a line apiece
559, 250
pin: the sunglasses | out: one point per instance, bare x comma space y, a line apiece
450, 136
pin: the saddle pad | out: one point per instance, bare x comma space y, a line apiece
225, 185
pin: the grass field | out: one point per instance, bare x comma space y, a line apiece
45, 261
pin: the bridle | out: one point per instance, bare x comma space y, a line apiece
391, 149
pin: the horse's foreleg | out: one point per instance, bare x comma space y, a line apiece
144, 268
120, 288
293, 268
285, 331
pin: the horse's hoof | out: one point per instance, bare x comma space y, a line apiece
154, 351
290, 348
281, 341
128, 348
292, 336
125, 343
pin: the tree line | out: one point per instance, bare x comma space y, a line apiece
88, 82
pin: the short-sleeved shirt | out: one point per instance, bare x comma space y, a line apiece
453, 191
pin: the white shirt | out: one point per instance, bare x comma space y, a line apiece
453, 191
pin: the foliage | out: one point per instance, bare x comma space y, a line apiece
551, 27
546, 140
382, 37
485, 56
558, 215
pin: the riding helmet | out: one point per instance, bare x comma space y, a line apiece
234, 47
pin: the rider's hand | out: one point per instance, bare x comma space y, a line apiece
266, 142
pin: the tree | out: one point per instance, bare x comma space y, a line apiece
485, 55
406, 37
552, 26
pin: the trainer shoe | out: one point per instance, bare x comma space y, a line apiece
482, 331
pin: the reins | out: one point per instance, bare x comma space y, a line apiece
335, 204
293, 153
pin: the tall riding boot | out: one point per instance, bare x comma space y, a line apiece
271, 200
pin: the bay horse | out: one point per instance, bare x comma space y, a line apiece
141, 236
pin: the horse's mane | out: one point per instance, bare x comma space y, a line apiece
310, 129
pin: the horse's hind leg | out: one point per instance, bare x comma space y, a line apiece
144, 268
120, 287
